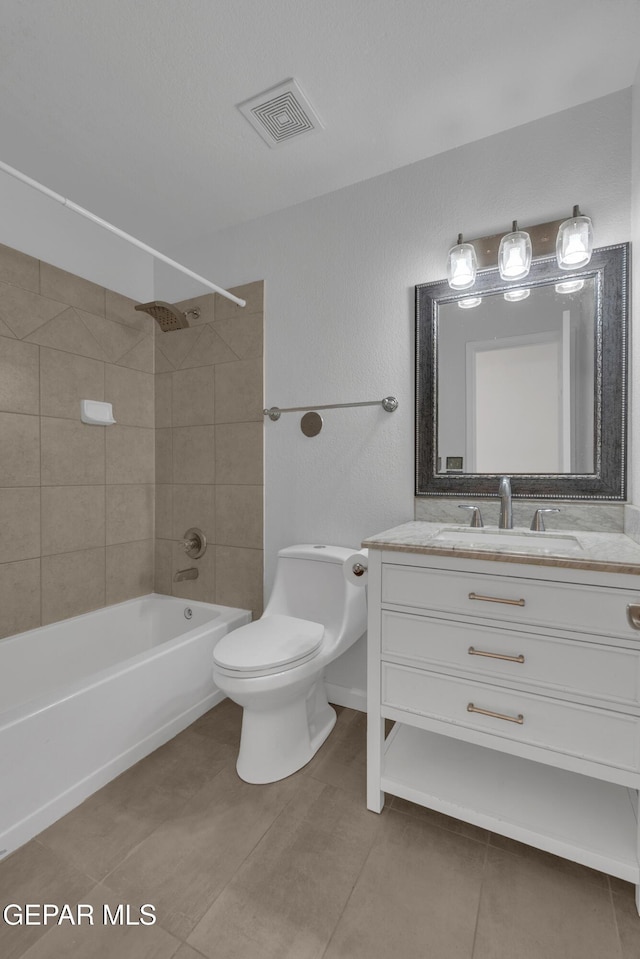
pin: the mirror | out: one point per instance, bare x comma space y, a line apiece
533, 388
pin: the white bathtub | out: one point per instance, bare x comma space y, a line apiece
84, 699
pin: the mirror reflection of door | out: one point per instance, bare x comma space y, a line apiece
519, 403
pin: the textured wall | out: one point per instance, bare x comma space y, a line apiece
209, 461
76, 503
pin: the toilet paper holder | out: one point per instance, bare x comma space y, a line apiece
358, 569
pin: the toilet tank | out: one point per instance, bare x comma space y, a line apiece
310, 584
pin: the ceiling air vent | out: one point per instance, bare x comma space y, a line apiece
281, 113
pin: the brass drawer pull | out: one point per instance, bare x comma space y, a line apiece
496, 599
487, 712
509, 659
633, 615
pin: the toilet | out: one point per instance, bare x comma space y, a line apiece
274, 667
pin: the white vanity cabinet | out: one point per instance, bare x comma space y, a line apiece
515, 690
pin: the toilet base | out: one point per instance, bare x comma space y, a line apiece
277, 741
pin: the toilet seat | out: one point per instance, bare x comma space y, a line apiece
271, 644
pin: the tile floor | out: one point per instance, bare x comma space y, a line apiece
298, 870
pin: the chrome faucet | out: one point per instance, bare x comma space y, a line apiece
506, 511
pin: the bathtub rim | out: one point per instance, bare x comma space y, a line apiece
64, 691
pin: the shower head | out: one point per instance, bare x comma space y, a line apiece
168, 317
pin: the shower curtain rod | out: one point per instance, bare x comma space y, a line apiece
118, 232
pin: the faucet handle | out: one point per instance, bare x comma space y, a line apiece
476, 516
537, 523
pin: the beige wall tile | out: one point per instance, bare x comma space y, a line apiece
115, 339
193, 454
209, 349
202, 588
19, 524
20, 445
131, 393
239, 578
140, 357
123, 309
72, 583
243, 334
239, 512
5, 331
164, 511
67, 332
24, 312
72, 453
193, 394
176, 344
238, 392
163, 394
130, 454
161, 362
253, 293
130, 512
19, 377
194, 506
129, 570
73, 518
164, 456
19, 596
65, 380
19, 268
163, 562
239, 457
71, 289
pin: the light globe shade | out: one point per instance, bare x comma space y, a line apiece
514, 255
469, 302
574, 244
512, 296
462, 266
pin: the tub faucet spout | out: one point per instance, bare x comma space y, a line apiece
506, 512
183, 574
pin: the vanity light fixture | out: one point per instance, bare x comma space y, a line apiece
462, 265
570, 286
468, 302
512, 296
574, 244
514, 255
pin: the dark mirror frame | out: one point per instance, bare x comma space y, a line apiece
610, 268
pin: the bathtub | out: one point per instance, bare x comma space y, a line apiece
84, 699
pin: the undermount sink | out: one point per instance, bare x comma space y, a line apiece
513, 540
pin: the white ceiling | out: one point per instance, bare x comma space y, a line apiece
128, 107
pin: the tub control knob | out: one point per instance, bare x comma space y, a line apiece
194, 543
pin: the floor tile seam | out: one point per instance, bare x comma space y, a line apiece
523, 856
60, 853
616, 924
453, 832
480, 895
350, 896
231, 878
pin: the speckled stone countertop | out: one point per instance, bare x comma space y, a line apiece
605, 552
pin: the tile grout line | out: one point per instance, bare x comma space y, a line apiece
482, 882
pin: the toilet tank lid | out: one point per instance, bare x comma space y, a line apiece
317, 552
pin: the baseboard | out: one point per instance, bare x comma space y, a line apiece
347, 696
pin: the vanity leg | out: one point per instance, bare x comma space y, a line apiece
375, 746
638, 899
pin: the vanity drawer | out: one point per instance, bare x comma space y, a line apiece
607, 673
589, 609
588, 733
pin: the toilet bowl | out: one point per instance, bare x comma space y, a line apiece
274, 667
